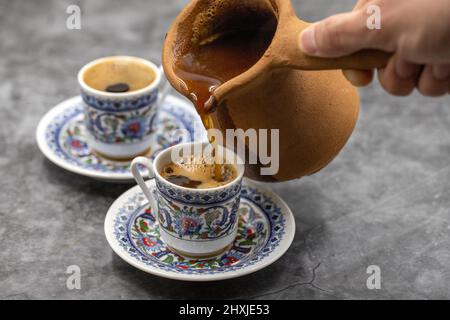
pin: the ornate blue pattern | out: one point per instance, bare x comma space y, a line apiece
120, 105
198, 198
198, 222
133, 220
120, 120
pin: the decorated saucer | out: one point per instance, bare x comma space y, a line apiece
266, 230
61, 136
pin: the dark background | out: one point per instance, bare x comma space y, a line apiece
384, 201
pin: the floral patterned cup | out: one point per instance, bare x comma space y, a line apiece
120, 124
195, 223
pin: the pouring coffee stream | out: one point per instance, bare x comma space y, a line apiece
221, 54
215, 59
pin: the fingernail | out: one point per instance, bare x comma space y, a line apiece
406, 70
441, 72
308, 41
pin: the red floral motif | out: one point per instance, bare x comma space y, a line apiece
230, 260
189, 225
76, 144
134, 127
149, 243
233, 259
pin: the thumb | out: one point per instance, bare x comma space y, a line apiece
337, 35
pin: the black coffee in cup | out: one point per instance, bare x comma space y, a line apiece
119, 75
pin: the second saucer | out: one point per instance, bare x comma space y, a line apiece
61, 136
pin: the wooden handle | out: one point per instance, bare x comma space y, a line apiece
365, 59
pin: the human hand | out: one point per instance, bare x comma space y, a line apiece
417, 32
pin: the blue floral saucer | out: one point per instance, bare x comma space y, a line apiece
266, 230
61, 136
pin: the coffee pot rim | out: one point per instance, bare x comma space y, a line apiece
268, 61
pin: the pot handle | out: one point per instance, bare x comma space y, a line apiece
292, 56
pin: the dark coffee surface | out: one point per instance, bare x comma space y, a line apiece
184, 182
118, 88
204, 67
119, 75
198, 175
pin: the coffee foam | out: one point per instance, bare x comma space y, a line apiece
217, 17
199, 169
203, 25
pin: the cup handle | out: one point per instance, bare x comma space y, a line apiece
164, 87
148, 164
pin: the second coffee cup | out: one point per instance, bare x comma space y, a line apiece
121, 97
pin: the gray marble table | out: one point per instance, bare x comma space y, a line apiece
384, 201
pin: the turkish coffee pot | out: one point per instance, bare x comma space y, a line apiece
308, 99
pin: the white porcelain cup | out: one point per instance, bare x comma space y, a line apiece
195, 223
120, 125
